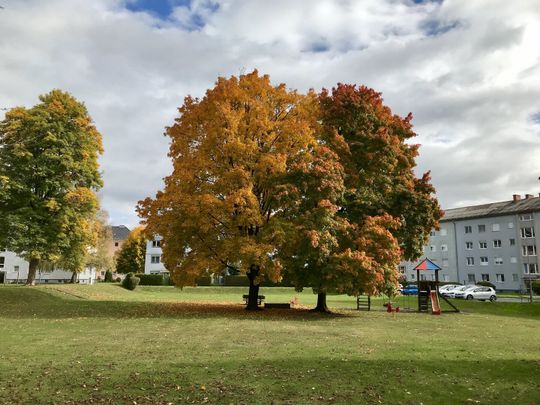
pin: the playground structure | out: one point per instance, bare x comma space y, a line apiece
428, 290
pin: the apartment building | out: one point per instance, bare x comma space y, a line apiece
493, 242
152, 262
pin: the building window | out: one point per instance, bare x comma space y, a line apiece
485, 277
529, 250
497, 243
482, 245
432, 233
154, 259
510, 225
444, 248
156, 243
470, 261
446, 277
422, 277
500, 278
513, 259
496, 227
2, 262
484, 261
512, 242
413, 276
526, 217
471, 278
498, 261
433, 248
445, 262
468, 245
530, 268
527, 232
515, 277
115, 244
443, 231
468, 229
481, 228
402, 269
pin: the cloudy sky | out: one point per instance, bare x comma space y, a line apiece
469, 71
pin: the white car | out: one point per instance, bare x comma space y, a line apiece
478, 293
447, 288
451, 293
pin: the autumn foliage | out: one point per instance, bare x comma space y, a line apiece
273, 183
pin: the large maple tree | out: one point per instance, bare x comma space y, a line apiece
234, 153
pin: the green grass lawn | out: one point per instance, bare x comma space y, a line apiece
103, 344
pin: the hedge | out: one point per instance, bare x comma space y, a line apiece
236, 281
150, 279
486, 284
536, 287
204, 281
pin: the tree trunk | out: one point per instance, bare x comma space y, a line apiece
73, 277
321, 303
32, 270
252, 303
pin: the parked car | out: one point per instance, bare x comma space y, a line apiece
411, 289
478, 293
448, 287
452, 292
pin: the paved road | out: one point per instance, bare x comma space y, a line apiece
524, 300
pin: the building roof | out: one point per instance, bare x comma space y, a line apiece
120, 232
516, 206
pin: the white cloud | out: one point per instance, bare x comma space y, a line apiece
469, 72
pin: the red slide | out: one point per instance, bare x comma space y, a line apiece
435, 307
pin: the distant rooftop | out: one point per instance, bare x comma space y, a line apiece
120, 232
517, 205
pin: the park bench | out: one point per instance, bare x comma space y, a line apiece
286, 305
260, 299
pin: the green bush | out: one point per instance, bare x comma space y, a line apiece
236, 281
150, 279
536, 287
486, 284
130, 282
204, 281
108, 277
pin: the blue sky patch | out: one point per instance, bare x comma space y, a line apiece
159, 8
436, 27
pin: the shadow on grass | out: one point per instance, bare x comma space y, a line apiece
28, 302
283, 380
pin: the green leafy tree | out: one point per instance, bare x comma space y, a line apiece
49, 173
130, 258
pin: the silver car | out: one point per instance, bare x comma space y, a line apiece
477, 293
452, 292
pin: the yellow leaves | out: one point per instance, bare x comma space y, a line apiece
52, 205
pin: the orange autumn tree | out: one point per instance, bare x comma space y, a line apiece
233, 152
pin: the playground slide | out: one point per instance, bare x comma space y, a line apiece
435, 307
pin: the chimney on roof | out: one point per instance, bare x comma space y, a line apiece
516, 197
527, 196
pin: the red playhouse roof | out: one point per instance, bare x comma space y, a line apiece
427, 264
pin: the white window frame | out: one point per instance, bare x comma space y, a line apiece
469, 245
498, 261
445, 262
433, 248
468, 229
484, 261
497, 243
527, 230
482, 244
495, 227
155, 259
526, 217
528, 250
530, 268
470, 261
499, 277
513, 259
510, 225
444, 248
485, 276
443, 232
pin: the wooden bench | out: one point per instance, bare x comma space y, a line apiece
286, 305
260, 299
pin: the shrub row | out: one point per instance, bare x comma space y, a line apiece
150, 279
